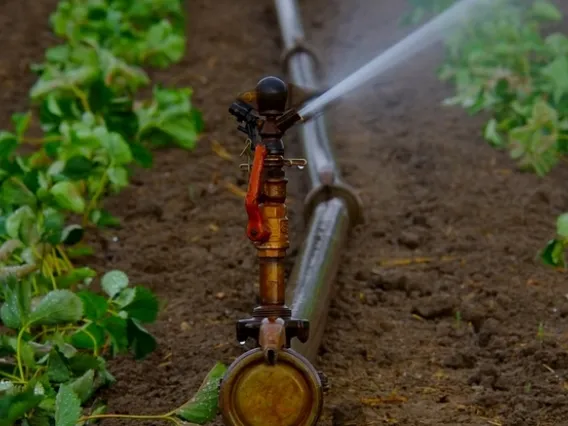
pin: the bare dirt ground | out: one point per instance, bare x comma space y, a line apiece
449, 342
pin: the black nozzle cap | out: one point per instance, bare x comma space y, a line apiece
272, 94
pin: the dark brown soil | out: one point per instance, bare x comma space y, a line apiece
447, 342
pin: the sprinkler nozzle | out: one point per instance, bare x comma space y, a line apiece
288, 119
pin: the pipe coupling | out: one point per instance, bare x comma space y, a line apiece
332, 188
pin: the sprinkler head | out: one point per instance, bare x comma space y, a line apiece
271, 96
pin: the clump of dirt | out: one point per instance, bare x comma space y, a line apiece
474, 333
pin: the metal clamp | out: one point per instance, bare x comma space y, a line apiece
330, 190
301, 46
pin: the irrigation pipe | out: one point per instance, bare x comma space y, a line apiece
331, 207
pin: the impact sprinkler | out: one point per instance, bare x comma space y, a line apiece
270, 385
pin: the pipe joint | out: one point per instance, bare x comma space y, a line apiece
336, 189
300, 46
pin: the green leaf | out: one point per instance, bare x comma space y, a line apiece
103, 218
84, 385
89, 337
15, 407
562, 226
118, 176
492, 133
79, 251
118, 149
8, 144
558, 43
162, 46
21, 123
22, 224
75, 276
66, 81
15, 192
68, 196
42, 417
78, 167
57, 307
95, 306
553, 254
142, 155
557, 73
53, 223
113, 282
57, 370
203, 407
72, 234
116, 327
67, 407
143, 306
544, 9
140, 341
17, 305
170, 118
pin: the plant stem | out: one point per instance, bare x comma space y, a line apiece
39, 141
12, 377
63, 255
19, 353
82, 98
93, 201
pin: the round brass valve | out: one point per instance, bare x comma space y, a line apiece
254, 393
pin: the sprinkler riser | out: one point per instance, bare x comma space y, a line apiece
271, 326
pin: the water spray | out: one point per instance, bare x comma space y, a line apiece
430, 33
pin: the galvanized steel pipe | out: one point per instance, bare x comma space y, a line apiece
332, 207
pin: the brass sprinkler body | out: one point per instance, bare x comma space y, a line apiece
271, 385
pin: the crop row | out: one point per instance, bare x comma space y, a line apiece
78, 144
509, 64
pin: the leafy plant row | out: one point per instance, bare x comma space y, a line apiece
77, 145
505, 64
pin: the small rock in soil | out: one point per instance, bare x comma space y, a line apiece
361, 276
489, 328
378, 234
371, 298
346, 414
421, 221
474, 314
504, 383
486, 375
409, 240
488, 399
459, 360
388, 281
435, 307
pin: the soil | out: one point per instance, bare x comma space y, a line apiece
453, 341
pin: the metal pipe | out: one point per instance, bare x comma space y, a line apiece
302, 69
332, 207
311, 289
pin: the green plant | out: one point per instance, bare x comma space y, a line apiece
63, 407
504, 65
56, 329
554, 254
147, 32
